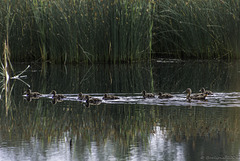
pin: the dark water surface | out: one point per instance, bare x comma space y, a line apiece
131, 128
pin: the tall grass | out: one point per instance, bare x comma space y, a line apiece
76, 31
201, 29
120, 30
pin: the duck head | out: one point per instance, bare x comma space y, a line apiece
27, 92
87, 97
202, 90
53, 92
188, 91
143, 92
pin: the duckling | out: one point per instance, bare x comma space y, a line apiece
109, 97
93, 101
29, 93
200, 96
147, 95
81, 96
58, 96
206, 91
164, 95
29, 99
55, 100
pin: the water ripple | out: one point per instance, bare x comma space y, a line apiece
216, 100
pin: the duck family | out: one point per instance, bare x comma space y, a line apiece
96, 101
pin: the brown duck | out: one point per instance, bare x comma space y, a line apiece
29, 99
206, 91
57, 96
93, 101
199, 96
81, 96
55, 100
29, 93
164, 95
147, 95
109, 97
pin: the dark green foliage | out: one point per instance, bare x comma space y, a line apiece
76, 31
116, 31
200, 29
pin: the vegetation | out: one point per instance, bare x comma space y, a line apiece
119, 30
201, 29
75, 31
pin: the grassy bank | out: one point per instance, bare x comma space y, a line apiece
119, 30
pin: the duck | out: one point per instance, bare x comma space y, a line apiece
164, 95
109, 97
29, 99
81, 96
147, 95
55, 100
58, 96
29, 93
93, 101
199, 96
206, 91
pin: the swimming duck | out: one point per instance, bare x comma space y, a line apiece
164, 95
81, 96
93, 101
29, 93
109, 97
200, 96
206, 91
55, 100
147, 95
29, 99
58, 96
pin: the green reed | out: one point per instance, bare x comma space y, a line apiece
119, 30
201, 29
76, 31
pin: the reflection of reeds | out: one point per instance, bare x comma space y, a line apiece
185, 124
100, 78
124, 125
46, 122
214, 75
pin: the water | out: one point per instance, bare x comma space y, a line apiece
130, 128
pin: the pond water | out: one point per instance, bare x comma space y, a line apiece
130, 128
